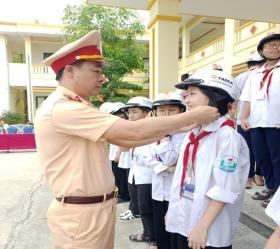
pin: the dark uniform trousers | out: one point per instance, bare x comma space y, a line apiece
266, 148
161, 235
180, 242
144, 194
132, 189
255, 169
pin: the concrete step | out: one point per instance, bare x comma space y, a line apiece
253, 216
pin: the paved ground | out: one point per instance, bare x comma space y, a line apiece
25, 198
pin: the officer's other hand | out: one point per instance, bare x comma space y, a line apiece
205, 114
245, 125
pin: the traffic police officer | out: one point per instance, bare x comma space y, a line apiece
72, 135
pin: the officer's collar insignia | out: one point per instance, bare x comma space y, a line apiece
74, 98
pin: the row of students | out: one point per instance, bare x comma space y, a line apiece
212, 169
210, 175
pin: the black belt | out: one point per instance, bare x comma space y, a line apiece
87, 199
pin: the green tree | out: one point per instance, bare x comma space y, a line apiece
119, 29
11, 118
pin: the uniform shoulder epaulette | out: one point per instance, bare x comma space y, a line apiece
73, 98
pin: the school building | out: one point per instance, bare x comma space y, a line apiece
182, 36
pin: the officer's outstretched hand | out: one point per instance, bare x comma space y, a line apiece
205, 114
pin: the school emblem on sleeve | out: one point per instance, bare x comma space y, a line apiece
228, 164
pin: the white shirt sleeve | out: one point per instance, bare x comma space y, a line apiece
239, 85
246, 92
168, 150
227, 169
112, 152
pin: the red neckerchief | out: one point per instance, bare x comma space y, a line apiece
195, 142
267, 74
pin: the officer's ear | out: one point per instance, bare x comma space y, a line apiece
69, 71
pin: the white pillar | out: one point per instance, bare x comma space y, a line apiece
228, 45
186, 45
4, 76
164, 45
28, 59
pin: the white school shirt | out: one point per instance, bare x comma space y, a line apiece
221, 172
112, 152
264, 112
273, 208
142, 175
240, 81
160, 157
124, 161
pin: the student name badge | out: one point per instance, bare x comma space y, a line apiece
188, 189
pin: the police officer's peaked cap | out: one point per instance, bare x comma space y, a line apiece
266, 39
88, 48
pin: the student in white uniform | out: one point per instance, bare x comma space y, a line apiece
261, 96
118, 109
140, 178
273, 211
254, 61
163, 156
212, 170
124, 166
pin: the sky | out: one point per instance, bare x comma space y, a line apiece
44, 11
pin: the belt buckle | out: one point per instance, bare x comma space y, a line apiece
116, 190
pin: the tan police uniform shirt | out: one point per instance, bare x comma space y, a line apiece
72, 152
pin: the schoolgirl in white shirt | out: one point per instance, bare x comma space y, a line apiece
211, 173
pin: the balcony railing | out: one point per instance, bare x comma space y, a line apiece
246, 38
41, 69
42, 75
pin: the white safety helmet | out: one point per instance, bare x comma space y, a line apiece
105, 107
254, 57
116, 107
214, 79
215, 67
140, 101
219, 87
171, 98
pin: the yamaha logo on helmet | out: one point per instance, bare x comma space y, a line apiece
213, 76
